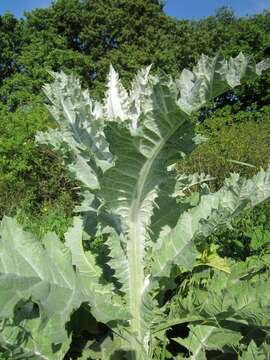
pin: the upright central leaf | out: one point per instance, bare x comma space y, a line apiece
131, 186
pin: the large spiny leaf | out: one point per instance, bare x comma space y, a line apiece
43, 273
105, 306
213, 76
27, 340
81, 129
131, 186
214, 210
241, 297
209, 78
123, 107
78, 115
117, 101
203, 337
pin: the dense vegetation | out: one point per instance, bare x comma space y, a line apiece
84, 37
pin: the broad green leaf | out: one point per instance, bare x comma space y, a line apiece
105, 306
214, 210
40, 271
27, 340
253, 353
203, 337
240, 297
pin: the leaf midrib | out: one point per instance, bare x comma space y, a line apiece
135, 224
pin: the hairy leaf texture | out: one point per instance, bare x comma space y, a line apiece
214, 210
41, 272
240, 297
105, 306
203, 337
253, 353
26, 340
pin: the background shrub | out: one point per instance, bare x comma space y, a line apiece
243, 137
32, 180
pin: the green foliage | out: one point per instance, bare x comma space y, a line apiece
86, 37
236, 308
30, 178
123, 151
248, 236
55, 218
9, 44
243, 137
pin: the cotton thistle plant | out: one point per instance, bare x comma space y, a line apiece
123, 151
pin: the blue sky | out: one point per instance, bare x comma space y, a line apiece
17, 7
201, 8
178, 8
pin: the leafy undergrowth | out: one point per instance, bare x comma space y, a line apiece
51, 219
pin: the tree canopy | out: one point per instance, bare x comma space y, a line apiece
85, 37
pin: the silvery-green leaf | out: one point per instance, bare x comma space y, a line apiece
116, 103
213, 76
40, 271
214, 210
28, 340
104, 305
131, 187
253, 352
203, 337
